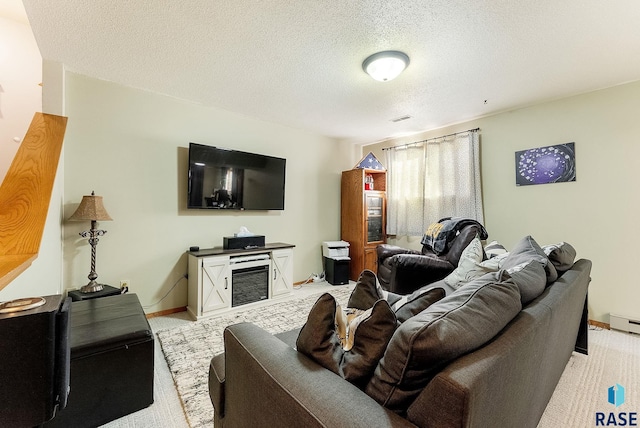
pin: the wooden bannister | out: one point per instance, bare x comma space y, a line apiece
25, 194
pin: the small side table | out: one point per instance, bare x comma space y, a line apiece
77, 295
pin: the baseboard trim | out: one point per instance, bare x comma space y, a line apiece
166, 312
600, 324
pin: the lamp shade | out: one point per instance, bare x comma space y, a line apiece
91, 208
386, 65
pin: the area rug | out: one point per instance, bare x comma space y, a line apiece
189, 349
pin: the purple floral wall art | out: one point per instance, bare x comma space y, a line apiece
542, 165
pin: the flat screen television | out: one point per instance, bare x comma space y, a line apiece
224, 179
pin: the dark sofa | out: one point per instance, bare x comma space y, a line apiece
402, 270
262, 381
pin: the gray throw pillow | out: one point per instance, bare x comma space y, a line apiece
367, 291
531, 285
408, 306
561, 255
318, 339
424, 344
530, 278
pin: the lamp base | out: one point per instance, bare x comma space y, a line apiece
91, 287
107, 291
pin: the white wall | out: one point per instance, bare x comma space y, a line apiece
130, 147
596, 213
22, 72
20, 93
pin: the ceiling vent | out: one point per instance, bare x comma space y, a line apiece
401, 118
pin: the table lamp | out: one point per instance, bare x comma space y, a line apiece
91, 208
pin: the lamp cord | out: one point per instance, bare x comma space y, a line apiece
184, 276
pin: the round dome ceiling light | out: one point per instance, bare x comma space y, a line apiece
386, 65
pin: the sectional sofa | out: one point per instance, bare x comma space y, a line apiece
263, 381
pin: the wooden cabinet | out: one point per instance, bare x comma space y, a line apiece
222, 279
363, 217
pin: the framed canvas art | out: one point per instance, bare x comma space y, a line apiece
543, 165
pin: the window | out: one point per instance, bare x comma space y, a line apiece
432, 179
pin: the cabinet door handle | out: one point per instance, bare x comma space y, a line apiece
275, 273
226, 282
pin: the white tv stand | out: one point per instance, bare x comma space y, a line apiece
212, 272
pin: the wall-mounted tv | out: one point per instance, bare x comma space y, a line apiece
224, 179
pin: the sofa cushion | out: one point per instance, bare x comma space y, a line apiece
367, 291
561, 255
425, 343
369, 331
525, 251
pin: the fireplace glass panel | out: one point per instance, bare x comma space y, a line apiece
249, 285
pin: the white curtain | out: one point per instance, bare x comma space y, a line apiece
432, 179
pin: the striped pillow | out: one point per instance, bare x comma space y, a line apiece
494, 249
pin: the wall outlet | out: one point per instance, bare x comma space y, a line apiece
125, 283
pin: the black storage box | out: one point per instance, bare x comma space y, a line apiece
243, 242
34, 360
111, 362
337, 270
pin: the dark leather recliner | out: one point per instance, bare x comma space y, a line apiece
402, 270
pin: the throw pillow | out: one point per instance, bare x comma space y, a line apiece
530, 278
347, 322
368, 291
561, 255
408, 306
368, 334
472, 266
520, 265
424, 344
468, 266
494, 249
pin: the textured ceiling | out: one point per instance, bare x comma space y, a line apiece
298, 62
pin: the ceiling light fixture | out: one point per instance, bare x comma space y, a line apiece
386, 65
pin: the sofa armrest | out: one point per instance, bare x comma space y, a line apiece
385, 250
420, 262
268, 383
216, 383
410, 272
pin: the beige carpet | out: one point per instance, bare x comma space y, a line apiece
614, 358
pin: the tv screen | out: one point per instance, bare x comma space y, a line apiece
224, 179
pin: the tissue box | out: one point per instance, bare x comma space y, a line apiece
243, 242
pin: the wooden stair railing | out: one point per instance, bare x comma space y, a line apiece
25, 194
